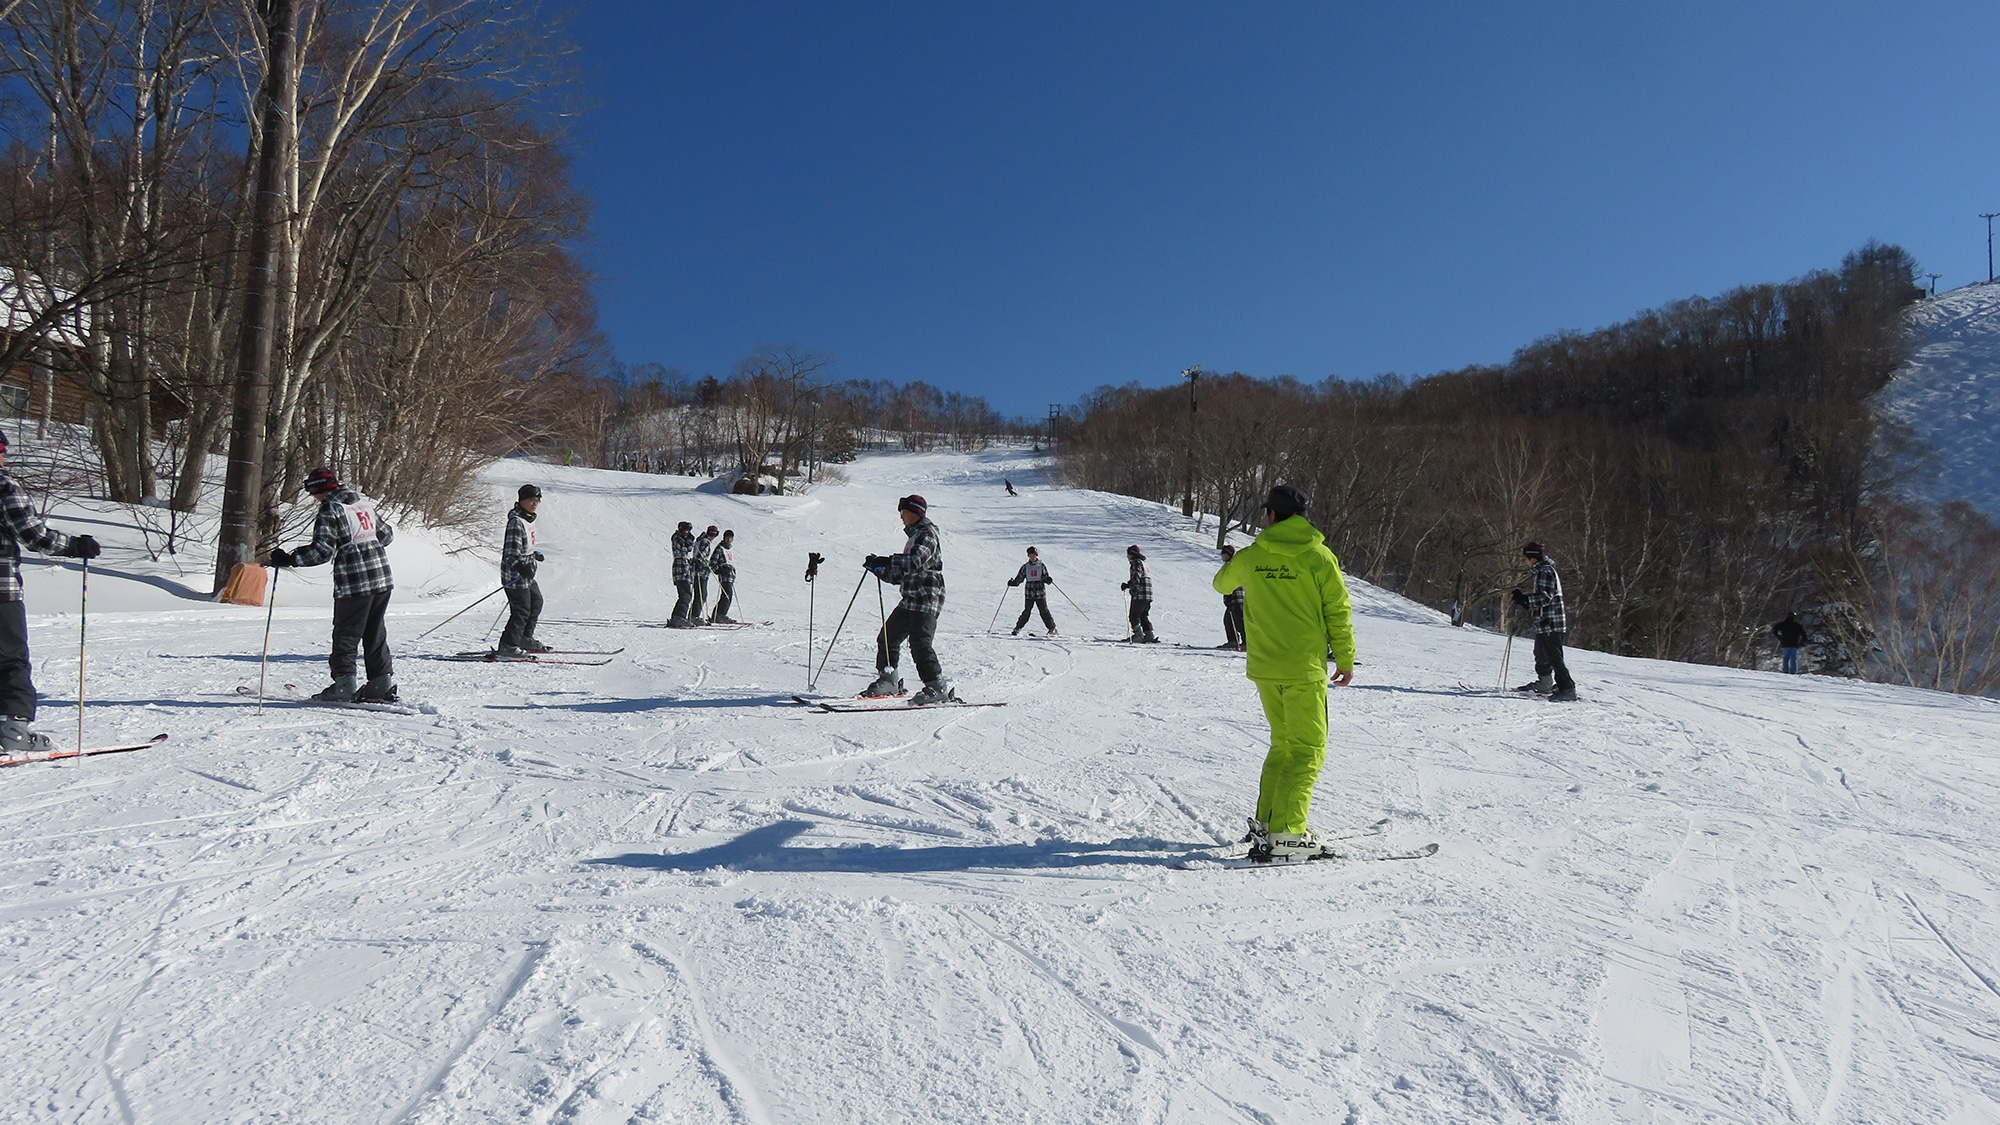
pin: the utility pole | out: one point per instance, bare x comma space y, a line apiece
243, 487
1934, 280
1187, 494
1989, 216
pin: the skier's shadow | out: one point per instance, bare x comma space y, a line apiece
626, 706
766, 849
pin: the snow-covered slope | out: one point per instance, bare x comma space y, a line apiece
1948, 394
659, 891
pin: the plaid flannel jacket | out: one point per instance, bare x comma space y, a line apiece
1234, 598
358, 567
1546, 600
723, 562
1142, 581
699, 562
1034, 584
920, 570
517, 551
683, 543
19, 526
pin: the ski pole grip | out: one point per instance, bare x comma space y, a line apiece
813, 559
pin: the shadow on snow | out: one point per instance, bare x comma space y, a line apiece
766, 849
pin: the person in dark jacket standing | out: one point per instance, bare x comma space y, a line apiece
1035, 576
1140, 585
20, 526
683, 545
723, 562
351, 533
1791, 637
919, 569
1232, 610
518, 562
698, 571
1551, 628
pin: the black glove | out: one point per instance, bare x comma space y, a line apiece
82, 547
1124, 585
1013, 582
1520, 599
280, 557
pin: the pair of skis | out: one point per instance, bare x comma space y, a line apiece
1342, 846
91, 752
864, 703
492, 656
294, 695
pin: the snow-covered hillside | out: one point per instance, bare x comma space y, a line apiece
1948, 394
660, 891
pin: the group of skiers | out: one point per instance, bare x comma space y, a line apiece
696, 557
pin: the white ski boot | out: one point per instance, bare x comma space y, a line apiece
17, 741
1293, 846
943, 691
341, 690
886, 684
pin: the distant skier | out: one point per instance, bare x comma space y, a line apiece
19, 525
351, 533
1035, 576
698, 570
1551, 628
1010, 486
518, 562
1791, 637
1232, 610
919, 569
723, 562
683, 547
1302, 613
1141, 587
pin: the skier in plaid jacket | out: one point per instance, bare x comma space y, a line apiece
723, 562
683, 545
919, 570
1141, 587
519, 560
698, 571
349, 531
1545, 603
1034, 574
1232, 610
20, 526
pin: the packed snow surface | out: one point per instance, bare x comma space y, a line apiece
1948, 393
659, 890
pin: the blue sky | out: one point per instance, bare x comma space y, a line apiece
1028, 200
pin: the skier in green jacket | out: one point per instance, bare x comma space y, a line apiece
1296, 612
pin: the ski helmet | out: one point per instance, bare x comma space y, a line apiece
1534, 550
321, 481
529, 492
913, 503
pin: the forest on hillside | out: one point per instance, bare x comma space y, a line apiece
1697, 471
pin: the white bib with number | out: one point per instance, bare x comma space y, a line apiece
361, 519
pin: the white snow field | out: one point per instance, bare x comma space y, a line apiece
660, 891
1948, 393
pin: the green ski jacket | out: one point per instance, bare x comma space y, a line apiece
1295, 604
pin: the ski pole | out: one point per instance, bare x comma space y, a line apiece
82, 650
495, 625
996, 610
1507, 651
836, 633
813, 559
1072, 603
264, 661
453, 617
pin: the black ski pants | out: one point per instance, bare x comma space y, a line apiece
524, 608
17, 688
1232, 623
1035, 602
685, 597
725, 596
357, 620
1141, 617
1549, 658
918, 629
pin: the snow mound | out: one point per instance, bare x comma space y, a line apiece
1948, 393
659, 890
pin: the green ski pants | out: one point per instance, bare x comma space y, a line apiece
1297, 714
